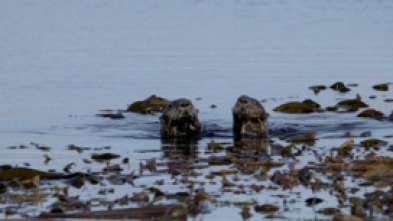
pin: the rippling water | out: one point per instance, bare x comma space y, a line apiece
63, 61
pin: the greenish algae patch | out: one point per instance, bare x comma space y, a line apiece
371, 113
152, 103
295, 107
381, 87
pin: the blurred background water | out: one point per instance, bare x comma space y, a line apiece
63, 61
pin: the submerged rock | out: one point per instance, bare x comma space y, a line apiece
381, 87
152, 103
371, 113
295, 107
180, 118
339, 86
250, 118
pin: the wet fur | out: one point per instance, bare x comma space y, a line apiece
249, 118
180, 118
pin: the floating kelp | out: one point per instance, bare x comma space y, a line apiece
313, 201
171, 212
371, 113
339, 86
104, 156
26, 173
329, 211
152, 103
295, 107
307, 139
373, 143
113, 116
317, 88
266, 208
381, 87
352, 104
331, 108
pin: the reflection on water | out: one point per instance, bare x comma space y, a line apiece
180, 147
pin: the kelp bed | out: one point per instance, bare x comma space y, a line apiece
276, 178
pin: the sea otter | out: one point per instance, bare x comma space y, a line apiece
179, 119
249, 118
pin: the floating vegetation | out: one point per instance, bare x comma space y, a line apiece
113, 116
294, 107
317, 88
381, 87
26, 173
352, 104
266, 208
104, 156
371, 113
149, 105
339, 86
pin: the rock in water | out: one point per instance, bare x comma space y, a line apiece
249, 118
180, 118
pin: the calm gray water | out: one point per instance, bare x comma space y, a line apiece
63, 61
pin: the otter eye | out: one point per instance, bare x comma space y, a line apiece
184, 104
243, 101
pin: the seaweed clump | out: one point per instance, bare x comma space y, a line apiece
371, 113
381, 87
295, 107
352, 104
7, 173
339, 86
152, 103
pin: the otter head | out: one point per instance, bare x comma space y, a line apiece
180, 118
250, 118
